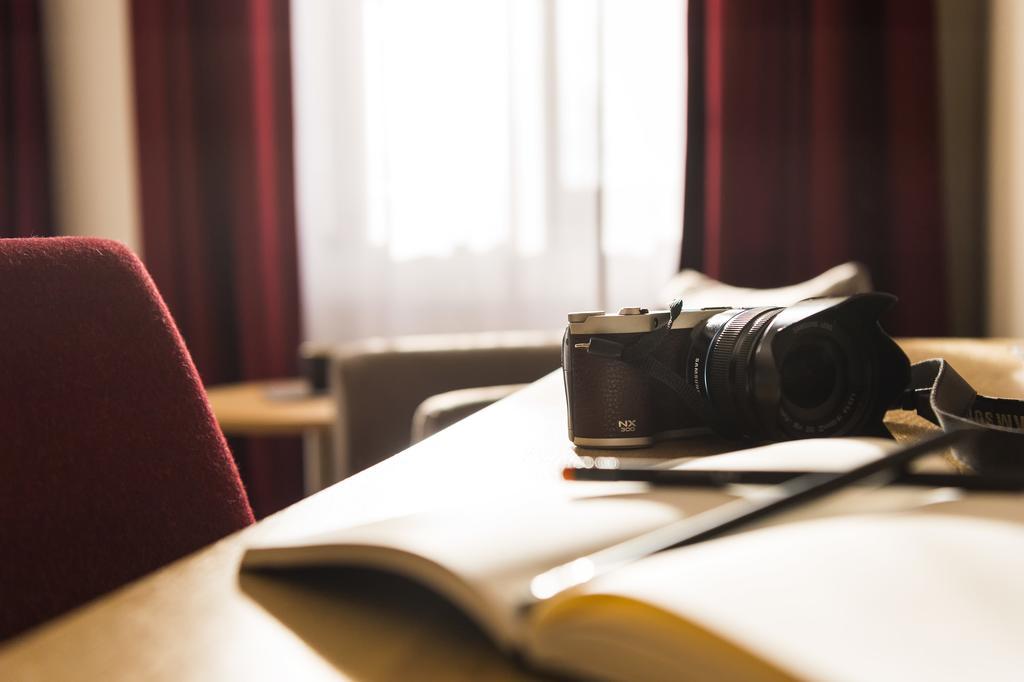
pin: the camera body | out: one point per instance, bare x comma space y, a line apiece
822, 367
613, 404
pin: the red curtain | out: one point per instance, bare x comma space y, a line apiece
813, 138
213, 99
25, 184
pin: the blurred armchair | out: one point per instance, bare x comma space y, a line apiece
393, 392
379, 383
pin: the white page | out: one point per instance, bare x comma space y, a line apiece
494, 551
935, 593
814, 454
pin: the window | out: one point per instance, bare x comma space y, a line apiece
485, 164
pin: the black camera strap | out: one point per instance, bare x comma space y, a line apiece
940, 395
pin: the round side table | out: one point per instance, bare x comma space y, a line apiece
282, 407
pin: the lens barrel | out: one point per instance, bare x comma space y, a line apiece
730, 368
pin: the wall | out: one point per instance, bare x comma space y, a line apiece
88, 50
962, 34
1006, 170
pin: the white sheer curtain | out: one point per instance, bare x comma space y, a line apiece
485, 164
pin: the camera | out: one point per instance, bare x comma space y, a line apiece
821, 367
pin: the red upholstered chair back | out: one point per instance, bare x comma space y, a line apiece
111, 463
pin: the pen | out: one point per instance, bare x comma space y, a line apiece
614, 469
738, 513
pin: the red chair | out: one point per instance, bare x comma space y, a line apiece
111, 463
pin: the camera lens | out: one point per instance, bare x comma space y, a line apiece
820, 368
810, 375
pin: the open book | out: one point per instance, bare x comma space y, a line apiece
897, 583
